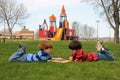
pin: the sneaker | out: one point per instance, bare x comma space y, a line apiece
99, 45
23, 46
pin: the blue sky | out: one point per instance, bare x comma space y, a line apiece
76, 11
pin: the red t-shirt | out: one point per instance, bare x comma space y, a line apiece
83, 56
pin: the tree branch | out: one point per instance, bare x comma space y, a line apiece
106, 13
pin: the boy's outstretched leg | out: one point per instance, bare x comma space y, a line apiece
108, 55
18, 53
103, 53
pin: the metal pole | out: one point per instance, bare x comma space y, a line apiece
4, 32
97, 28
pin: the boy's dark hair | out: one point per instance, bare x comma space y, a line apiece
75, 45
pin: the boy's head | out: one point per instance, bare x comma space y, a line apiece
75, 45
46, 46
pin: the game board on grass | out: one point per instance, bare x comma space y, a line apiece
59, 60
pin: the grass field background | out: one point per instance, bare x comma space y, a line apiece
100, 70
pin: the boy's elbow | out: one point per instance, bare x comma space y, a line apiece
43, 58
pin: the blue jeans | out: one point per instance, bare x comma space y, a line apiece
19, 55
52, 34
105, 55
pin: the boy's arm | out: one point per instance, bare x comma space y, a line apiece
79, 58
45, 58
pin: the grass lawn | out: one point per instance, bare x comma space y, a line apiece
100, 70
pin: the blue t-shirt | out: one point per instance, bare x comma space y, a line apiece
40, 56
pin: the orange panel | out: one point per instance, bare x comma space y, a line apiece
66, 24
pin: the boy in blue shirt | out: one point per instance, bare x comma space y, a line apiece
42, 55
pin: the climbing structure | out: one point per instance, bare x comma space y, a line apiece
63, 23
53, 26
43, 30
63, 32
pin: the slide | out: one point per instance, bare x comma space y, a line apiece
58, 34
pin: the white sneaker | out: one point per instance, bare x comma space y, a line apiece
99, 45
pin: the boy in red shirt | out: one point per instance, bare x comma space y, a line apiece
78, 55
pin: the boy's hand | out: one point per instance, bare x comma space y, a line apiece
71, 58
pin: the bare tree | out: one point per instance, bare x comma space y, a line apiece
12, 13
111, 9
86, 32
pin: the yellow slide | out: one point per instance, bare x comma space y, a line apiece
58, 34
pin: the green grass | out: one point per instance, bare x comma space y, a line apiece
100, 70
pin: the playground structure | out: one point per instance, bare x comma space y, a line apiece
63, 32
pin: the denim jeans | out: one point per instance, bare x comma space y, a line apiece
19, 55
105, 55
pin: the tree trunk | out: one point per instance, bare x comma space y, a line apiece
11, 36
116, 35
